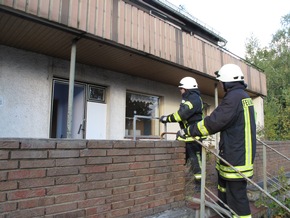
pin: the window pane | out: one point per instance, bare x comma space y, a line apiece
144, 105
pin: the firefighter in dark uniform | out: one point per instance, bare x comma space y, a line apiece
189, 112
234, 118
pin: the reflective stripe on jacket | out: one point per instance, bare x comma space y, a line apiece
234, 118
190, 109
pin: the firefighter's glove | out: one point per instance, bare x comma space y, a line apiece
181, 134
163, 119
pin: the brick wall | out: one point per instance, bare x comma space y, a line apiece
79, 178
274, 161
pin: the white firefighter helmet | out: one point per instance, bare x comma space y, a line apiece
188, 83
230, 73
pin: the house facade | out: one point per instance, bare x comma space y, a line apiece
84, 69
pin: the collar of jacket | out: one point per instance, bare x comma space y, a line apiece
190, 91
228, 86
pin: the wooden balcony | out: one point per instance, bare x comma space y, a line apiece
119, 36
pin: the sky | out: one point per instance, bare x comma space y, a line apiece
236, 20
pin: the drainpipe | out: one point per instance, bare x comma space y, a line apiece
71, 88
216, 102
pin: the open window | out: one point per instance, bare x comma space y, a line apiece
142, 105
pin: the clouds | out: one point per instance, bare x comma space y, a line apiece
238, 20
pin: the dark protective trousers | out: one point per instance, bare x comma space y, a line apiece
193, 153
234, 194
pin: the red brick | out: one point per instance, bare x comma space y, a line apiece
2, 196
70, 198
8, 164
139, 165
28, 154
100, 144
179, 150
63, 153
37, 144
117, 213
33, 212
93, 153
3, 175
124, 189
92, 185
70, 144
99, 193
118, 152
162, 182
70, 214
143, 172
158, 190
162, 170
123, 174
8, 185
145, 158
140, 151
36, 202
62, 189
62, 171
61, 180
157, 203
138, 194
116, 198
7, 144
91, 202
123, 204
25, 174
93, 169
98, 210
159, 163
139, 187
99, 160
138, 208
163, 144
36, 163
117, 182
118, 167
144, 144
157, 177
4, 155
139, 179
144, 199
70, 162
123, 159
159, 150
162, 156
31, 183
99, 176
177, 168
124, 144
27, 193
7, 207
60, 208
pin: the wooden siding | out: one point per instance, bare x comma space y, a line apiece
127, 25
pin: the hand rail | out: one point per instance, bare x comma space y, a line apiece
203, 175
236, 170
134, 122
287, 158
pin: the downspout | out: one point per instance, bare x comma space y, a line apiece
216, 102
71, 88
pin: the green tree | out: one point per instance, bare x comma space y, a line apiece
275, 61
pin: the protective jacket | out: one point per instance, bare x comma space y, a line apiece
190, 110
234, 118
